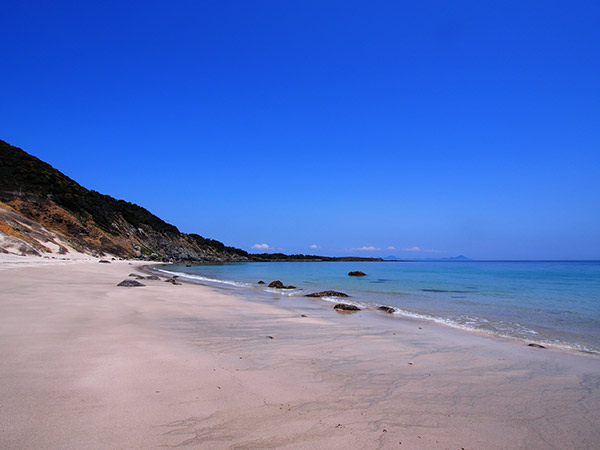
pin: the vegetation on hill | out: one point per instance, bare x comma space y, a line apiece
95, 222
23, 173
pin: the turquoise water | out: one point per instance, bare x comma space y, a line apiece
552, 303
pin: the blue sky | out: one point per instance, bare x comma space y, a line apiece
419, 129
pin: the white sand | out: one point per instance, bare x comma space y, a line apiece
88, 365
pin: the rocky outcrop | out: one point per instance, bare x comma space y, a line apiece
20, 235
130, 283
279, 285
327, 294
346, 307
357, 273
387, 309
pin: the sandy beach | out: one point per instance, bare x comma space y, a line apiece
85, 364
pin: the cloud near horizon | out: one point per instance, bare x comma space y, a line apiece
391, 247
314, 246
412, 249
366, 249
261, 246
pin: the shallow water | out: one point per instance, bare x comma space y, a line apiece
553, 303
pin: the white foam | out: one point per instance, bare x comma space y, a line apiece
346, 301
285, 292
509, 332
204, 279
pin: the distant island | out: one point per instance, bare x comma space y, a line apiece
450, 258
42, 211
283, 257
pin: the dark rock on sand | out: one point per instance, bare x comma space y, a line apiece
387, 309
261, 282
104, 261
153, 277
327, 294
346, 307
357, 273
279, 285
535, 345
137, 276
173, 281
130, 283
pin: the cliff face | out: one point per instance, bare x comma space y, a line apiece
42, 209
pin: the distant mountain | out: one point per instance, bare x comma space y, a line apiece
44, 211
457, 258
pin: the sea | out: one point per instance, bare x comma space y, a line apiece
551, 303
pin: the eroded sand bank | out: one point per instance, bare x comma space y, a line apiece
85, 364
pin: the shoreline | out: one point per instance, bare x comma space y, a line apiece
242, 289
87, 364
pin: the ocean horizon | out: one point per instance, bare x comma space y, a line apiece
551, 303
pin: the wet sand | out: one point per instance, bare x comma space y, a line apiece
85, 364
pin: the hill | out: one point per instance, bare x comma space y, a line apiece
43, 210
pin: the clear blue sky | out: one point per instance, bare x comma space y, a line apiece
448, 127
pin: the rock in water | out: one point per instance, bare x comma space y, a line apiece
346, 307
327, 294
130, 283
261, 282
387, 309
279, 285
357, 273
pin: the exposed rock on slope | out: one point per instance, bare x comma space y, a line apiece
22, 236
44, 211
